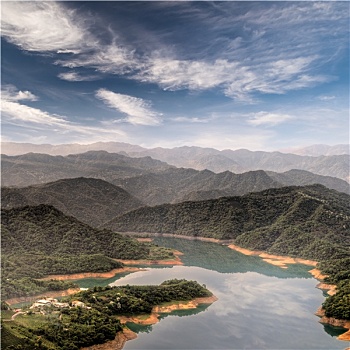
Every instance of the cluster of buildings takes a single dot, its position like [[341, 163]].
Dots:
[[47, 302]]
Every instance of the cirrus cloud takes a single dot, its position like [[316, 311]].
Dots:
[[138, 111], [267, 118], [43, 26]]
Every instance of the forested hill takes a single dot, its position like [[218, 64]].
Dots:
[[44, 229], [177, 185], [311, 221], [92, 201], [41, 240]]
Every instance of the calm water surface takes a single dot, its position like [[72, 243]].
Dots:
[[260, 306]]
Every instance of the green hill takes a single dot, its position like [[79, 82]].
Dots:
[[41, 240], [92, 201], [311, 221]]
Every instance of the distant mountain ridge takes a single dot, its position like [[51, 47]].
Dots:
[[198, 158], [310, 221], [35, 168], [151, 181], [178, 185], [92, 201]]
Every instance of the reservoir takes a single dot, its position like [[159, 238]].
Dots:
[[259, 306]]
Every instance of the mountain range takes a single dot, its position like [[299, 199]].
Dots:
[[92, 201], [35, 168], [129, 183], [329, 160], [310, 221], [178, 185]]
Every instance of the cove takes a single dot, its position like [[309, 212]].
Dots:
[[260, 306]]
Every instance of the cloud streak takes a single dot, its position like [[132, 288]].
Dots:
[[269, 119], [22, 115], [272, 68], [43, 26], [138, 111], [74, 76]]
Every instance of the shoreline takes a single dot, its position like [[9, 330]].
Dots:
[[127, 334], [277, 260], [176, 261], [81, 275], [336, 323]]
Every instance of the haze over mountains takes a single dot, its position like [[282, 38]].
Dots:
[[145, 180], [319, 150], [335, 163], [91, 201], [34, 168]]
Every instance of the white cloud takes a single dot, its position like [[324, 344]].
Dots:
[[326, 97], [112, 59], [43, 26], [10, 93], [266, 118], [172, 74], [15, 113], [74, 76], [191, 119], [138, 111], [237, 79]]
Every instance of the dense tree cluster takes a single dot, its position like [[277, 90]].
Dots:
[[41, 240], [95, 320], [338, 305], [126, 300]]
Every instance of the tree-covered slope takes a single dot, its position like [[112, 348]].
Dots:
[[310, 221], [175, 185], [92, 201], [44, 229], [41, 240]]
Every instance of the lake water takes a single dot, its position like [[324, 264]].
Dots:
[[260, 306]]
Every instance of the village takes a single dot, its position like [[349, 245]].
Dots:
[[46, 305]]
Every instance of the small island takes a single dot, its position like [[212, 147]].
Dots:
[[97, 315]]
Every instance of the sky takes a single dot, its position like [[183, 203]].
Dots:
[[257, 75]]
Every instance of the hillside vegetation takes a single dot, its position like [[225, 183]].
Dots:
[[311, 221], [92, 201], [97, 320], [41, 240]]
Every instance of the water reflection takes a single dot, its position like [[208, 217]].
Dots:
[[260, 306], [220, 258]]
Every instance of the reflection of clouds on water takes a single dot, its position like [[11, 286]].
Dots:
[[156, 276], [254, 292]]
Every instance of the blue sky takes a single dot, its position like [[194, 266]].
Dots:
[[257, 75]]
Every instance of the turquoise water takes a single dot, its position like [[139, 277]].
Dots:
[[260, 306]]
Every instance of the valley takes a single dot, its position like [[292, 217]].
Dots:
[[70, 219]]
